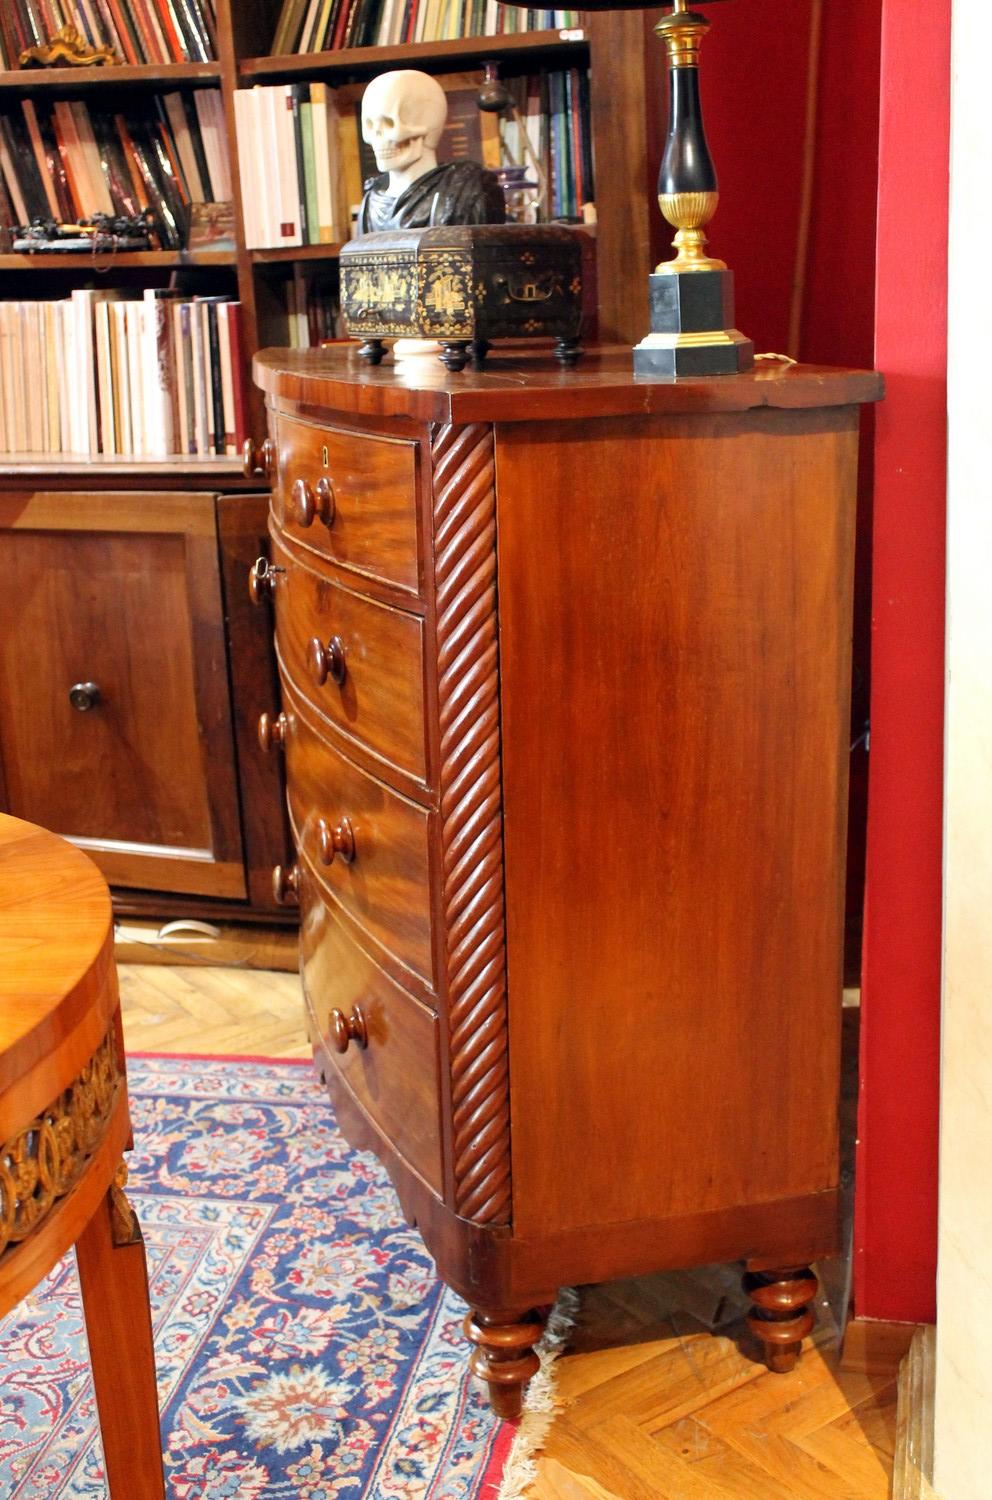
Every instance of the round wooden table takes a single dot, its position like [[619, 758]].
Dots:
[[64, 1125]]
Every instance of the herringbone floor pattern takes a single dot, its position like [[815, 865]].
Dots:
[[662, 1398], [198, 1008], [665, 1399]]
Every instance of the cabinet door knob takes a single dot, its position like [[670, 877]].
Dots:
[[83, 696], [258, 458], [337, 841], [346, 1029], [272, 731], [286, 885], [326, 661], [262, 580]]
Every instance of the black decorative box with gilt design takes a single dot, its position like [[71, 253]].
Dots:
[[464, 285]]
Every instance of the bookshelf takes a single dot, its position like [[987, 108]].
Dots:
[[195, 521]]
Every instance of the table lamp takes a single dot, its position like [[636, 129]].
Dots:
[[692, 296]]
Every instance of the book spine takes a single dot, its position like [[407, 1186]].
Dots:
[[158, 31], [196, 33], [310, 174], [238, 375], [215, 378], [127, 37], [10, 175], [172, 105], [134, 339], [91, 158], [294, 98], [198, 148], [34, 133], [101, 329], [180, 343], [198, 414], [156, 368], [146, 35], [226, 375], [25, 169]]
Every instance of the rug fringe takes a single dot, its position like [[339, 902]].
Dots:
[[541, 1400]]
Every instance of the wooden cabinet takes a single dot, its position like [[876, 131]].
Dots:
[[576, 976], [122, 690]]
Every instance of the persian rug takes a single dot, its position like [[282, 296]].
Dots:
[[305, 1347]]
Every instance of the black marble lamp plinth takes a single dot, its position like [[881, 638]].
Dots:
[[690, 334]]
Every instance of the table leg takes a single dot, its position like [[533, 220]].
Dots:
[[110, 1254]]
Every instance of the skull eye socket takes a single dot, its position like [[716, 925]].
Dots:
[[388, 121]]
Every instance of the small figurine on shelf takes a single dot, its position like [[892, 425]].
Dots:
[[403, 115], [68, 48]]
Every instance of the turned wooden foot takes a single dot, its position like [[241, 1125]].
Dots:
[[781, 1316], [454, 354], [478, 350], [504, 1355]]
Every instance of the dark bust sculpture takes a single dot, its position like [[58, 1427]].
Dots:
[[403, 115], [453, 192]]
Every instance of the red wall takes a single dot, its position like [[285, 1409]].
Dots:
[[896, 1207], [878, 149]]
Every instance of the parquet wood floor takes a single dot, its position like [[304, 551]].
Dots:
[[665, 1398], [202, 1008], [662, 1397]]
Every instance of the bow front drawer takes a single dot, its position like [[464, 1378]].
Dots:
[[367, 845], [350, 496], [379, 1040], [360, 663]]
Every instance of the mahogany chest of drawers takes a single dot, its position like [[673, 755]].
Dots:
[[565, 668]]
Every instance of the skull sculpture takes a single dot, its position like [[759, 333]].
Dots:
[[403, 115]]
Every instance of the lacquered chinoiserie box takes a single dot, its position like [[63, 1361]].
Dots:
[[464, 285], [565, 668]]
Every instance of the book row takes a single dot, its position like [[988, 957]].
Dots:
[[325, 25], [305, 141], [547, 130], [141, 378], [288, 151], [139, 31], [66, 160], [312, 311]]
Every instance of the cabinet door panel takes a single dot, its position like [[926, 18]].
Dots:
[[120, 592]]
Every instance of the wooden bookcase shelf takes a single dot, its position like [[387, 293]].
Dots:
[[84, 265], [278, 254], [19, 466], [131, 517], [148, 75], [556, 48]]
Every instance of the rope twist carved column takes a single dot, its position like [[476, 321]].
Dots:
[[471, 818]]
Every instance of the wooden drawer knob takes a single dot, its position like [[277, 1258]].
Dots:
[[286, 885], [326, 661], [310, 501], [272, 731], [347, 1029], [262, 580], [258, 458], [83, 696], [338, 841]]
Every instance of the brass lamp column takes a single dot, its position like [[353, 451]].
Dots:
[[692, 296]]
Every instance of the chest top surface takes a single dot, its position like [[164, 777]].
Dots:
[[530, 386]]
